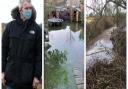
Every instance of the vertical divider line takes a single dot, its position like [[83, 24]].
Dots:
[[126, 47], [0, 54], [85, 44], [43, 44]]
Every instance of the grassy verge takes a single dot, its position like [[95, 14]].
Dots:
[[96, 26]]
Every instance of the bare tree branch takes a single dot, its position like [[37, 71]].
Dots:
[[92, 9], [121, 3]]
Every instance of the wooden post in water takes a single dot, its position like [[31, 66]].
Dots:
[[71, 14], [57, 14], [77, 16], [71, 11]]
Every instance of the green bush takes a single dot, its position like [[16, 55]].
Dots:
[[53, 70]]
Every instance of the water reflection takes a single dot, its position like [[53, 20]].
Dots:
[[67, 39]]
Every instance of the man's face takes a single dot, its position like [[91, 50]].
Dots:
[[26, 10], [26, 6]]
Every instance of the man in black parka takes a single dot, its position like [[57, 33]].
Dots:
[[22, 49]]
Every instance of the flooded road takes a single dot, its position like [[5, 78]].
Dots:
[[69, 39], [101, 50]]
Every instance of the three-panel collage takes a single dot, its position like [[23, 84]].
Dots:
[[63, 44]]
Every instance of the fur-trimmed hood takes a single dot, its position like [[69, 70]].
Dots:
[[16, 15]]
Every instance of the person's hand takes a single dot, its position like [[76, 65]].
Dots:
[[35, 82], [3, 79]]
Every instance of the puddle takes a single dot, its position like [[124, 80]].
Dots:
[[101, 50]]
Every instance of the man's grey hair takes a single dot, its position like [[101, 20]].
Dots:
[[21, 3]]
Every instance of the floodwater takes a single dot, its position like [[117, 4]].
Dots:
[[70, 39], [101, 50]]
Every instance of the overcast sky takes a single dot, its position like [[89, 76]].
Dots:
[[7, 5], [89, 3]]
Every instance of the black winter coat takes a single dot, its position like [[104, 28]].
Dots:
[[22, 51]]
